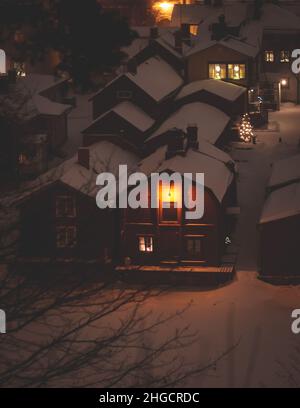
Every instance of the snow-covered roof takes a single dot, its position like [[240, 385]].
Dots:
[[210, 121], [281, 203], [104, 157], [247, 43], [208, 160], [278, 18], [235, 13], [190, 14], [154, 76], [34, 85], [137, 45], [285, 171], [131, 113], [157, 78], [168, 41], [223, 89]]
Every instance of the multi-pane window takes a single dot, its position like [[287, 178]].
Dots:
[[194, 247], [227, 71], [146, 244], [217, 71], [269, 56], [284, 56], [66, 236], [236, 71], [65, 206]]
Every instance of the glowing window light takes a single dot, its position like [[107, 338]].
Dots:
[[163, 10], [146, 244]]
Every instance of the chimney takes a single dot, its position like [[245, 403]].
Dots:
[[219, 29], [186, 34], [175, 143], [132, 66], [84, 157], [192, 136], [153, 32], [178, 41]]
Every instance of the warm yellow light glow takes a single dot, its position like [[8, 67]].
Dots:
[[284, 82], [163, 9], [169, 194]]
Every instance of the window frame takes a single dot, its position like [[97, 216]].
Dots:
[[65, 214], [267, 54], [233, 65], [285, 56], [66, 229], [145, 237], [217, 63], [199, 256]]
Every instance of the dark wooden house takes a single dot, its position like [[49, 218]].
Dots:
[[59, 218], [126, 124], [149, 85], [279, 225], [227, 97]]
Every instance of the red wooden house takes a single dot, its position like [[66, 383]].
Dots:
[[163, 236]]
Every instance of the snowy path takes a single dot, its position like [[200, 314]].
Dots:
[[254, 171]]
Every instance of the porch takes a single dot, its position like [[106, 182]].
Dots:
[[176, 274]]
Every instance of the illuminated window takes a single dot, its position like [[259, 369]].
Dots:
[[65, 206], [269, 56], [66, 237], [284, 56], [19, 68], [146, 244], [217, 71], [194, 246], [193, 29], [2, 62], [236, 71]]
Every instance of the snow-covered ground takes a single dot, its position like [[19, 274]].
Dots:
[[254, 314], [249, 314]]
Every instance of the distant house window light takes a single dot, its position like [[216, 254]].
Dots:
[[2, 62], [269, 56], [19, 68], [217, 71], [236, 71], [193, 29], [284, 56], [146, 244]]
